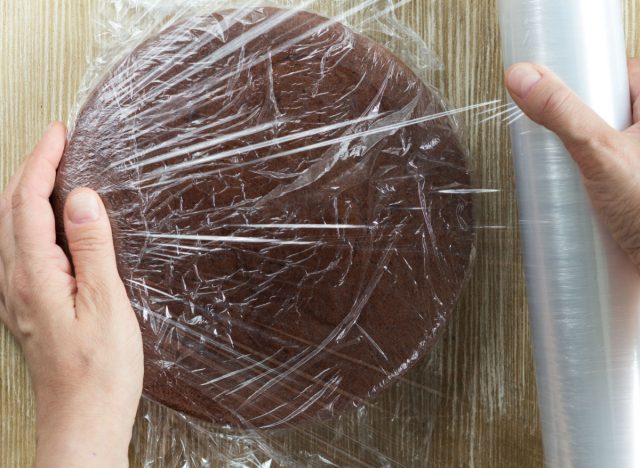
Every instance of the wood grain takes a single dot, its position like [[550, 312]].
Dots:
[[487, 413]]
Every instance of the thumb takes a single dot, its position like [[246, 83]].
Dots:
[[546, 100], [90, 242]]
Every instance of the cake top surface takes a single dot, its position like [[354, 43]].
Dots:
[[291, 224]]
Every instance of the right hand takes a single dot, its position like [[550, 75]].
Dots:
[[608, 159]]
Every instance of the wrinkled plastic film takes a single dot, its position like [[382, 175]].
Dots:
[[207, 258], [584, 294]]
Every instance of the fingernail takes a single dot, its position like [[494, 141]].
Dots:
[[522, 78], [83, 208]]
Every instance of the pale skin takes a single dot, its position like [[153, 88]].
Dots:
[[77, 329], [608, 159]]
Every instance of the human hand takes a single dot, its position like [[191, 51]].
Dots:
[[78, 332], [608, 159]]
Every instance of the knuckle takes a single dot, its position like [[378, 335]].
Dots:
[[35, 285], [589, 144], [597, 154], [77, 364], [89, 240], [556, 104], [94, 294], [22, 285], [5, 206], [84, 362], [19, 198]]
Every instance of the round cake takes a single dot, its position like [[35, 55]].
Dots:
[[292, 218]]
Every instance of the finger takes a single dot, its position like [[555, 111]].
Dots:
[[13, 182], [545, 99], [7, 249], [6, 229], [33, 221], [90, 242], [634, 82]]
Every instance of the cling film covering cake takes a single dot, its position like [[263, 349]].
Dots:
[[291, 208]]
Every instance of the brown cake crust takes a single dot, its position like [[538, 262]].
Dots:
[[282, 271]]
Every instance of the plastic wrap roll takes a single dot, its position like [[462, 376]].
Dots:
[[584, 295]]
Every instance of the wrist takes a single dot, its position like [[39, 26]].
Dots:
[[83, 433]]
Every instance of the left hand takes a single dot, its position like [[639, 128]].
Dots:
[[79, 334]]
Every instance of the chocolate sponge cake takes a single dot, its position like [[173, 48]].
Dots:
[[292, 228]]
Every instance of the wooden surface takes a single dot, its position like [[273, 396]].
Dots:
[[487, 414]]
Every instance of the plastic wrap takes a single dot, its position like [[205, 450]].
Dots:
[[292, 212], [584, 294]]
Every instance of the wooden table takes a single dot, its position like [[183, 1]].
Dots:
[[487, 415]]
